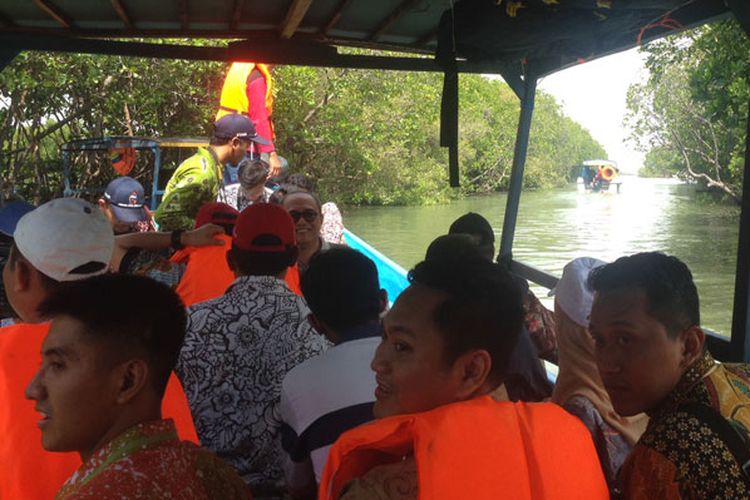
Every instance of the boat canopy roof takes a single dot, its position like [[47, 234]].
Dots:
[[487, 36]]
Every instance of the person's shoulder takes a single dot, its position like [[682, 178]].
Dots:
[[219, 480], [331, 363], [308, 373], [181, 469], [583, 408], [692, 445], [666, 430], [740, 375], [396, 481], [198, 314], [192, 161]]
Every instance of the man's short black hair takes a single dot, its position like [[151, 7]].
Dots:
[[248, 263], [671, 296], [455, 246], [14, 255], [135, 315], [300, 180], [473, 223], [291, 189], [250, 173], [341, 288], [219, 141], [483, 310], [479, 228], [278, 196]]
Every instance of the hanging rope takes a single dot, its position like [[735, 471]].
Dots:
[[665, 21]]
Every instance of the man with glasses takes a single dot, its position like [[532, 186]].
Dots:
[[199, 179], [305, 209]]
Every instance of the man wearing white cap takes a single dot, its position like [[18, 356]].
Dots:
[[66, 239], [579, 388], [63, 240]]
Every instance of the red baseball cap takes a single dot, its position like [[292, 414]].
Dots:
[[264, 227], [216, 213]]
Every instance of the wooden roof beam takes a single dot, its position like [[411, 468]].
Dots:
[[236, 14], [294, 17], [394, 16], [182, 12], [54, 12], [122, 14], [336, 16]]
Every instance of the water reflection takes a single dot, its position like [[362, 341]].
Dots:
[[556, 226]]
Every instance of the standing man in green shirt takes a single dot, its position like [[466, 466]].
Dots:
[[199, 179]]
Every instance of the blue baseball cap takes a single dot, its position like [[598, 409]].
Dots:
[[11, 213], [237, 125], [126, 199]]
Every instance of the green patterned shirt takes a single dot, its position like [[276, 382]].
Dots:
[[196, 181]]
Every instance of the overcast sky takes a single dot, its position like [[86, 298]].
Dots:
[[593, 94]]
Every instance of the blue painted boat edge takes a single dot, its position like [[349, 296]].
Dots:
[[392, 276]]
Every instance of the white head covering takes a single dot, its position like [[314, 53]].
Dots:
[[572, 292]]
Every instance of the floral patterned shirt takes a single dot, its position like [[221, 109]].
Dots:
[[611, 446], [540, 322], [149, 461], [680, 456], [237, 350]]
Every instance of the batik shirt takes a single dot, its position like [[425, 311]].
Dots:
[[680, 456], [149, 461], [195, 182], [233, 196], [237, 350]]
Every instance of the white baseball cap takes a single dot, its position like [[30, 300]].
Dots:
[[572, 292], [66, 239]]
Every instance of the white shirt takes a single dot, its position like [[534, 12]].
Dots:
[[323, 397]]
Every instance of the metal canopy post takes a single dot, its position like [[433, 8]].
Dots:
[[519, 161], [740, 342], [155, 194]]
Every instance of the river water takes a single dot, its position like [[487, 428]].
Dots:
[[556, 226]]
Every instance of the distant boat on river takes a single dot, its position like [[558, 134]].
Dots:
[[598, 176]]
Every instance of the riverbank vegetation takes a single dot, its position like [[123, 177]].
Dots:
[[691, 115], [368, 137]]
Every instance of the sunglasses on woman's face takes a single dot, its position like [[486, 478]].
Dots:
[[308, 215]]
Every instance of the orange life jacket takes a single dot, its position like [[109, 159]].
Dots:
[[234, 92], [207, 274], [28, 471], [292, 279], [478, 449]]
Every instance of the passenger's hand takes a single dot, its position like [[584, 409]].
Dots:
[[275, 164], [204, 236]]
